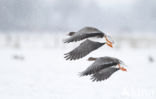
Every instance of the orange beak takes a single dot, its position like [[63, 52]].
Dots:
[[109, 44], [108, 40], [121, 68]]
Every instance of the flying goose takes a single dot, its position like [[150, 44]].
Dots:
[[102, 68], [86, 32], [86, 46]]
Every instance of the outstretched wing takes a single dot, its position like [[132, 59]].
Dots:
[[104, 74], [79, 37], [83, 49], [85, 33], [100, 63]]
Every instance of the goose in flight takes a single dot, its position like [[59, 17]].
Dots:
[[102, 68], [86, 46], [87, 32]]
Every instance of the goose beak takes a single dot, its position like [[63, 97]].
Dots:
[[109, 44], [122, 68], [108, 40]]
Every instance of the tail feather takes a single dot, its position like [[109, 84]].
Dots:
[[71, 33], [91, 59]]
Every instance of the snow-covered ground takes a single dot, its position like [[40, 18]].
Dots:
[[43, 73]]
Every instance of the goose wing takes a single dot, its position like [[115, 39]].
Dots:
[[99, 64], [104, 74], [87, 30], [85, 33], [83, 49]]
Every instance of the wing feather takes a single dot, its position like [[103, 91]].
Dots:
[[84, 33], [83, 49], [104, 74], [99, 64]]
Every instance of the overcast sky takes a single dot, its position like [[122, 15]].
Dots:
[[125, 16]]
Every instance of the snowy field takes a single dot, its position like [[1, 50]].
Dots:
[[43, 73]]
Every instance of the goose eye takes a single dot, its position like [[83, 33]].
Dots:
[[122, 64]]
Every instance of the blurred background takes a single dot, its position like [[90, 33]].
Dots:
[[32, 49]]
